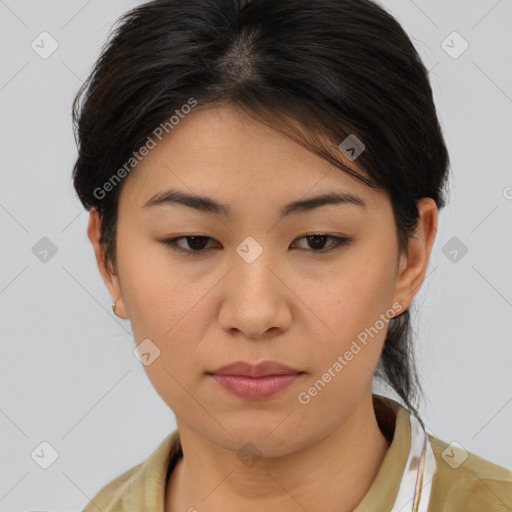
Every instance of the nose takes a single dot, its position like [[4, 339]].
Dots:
[[256, 300]]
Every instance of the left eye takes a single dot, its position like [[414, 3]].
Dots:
[[319, 239], [196, 243]]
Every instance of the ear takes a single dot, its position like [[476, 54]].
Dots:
[[413, 266], [109, 275]]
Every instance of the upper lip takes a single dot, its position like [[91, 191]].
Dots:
[[260, 369]]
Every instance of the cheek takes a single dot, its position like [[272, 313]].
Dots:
[[353, 290], [169, 309], [349, 308], [355, 316], [174, 321], [155, 289]]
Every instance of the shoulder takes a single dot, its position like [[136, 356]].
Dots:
[[142, 486], [110, 497], [465, 481]]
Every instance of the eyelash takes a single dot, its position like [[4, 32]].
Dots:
[[171, 243]]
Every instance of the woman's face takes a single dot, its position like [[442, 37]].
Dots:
[[256, 289]]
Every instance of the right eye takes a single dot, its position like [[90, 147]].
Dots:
[[196, 244]]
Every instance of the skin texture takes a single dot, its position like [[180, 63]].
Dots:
[[292, 304]]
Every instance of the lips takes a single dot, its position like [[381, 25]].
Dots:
[[255, 381], [262, 369]]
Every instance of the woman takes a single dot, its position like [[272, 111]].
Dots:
[[264, 180]]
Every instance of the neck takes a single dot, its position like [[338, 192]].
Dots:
[[333, 474]]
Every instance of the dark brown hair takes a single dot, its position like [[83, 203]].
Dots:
[[316, 70]]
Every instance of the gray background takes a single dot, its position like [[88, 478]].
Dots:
[[68, 374]]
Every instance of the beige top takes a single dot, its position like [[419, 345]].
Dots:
[[451, 480]]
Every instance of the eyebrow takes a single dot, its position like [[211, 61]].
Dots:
[[209, 205]]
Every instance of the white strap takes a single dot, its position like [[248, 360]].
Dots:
[[415, 486]]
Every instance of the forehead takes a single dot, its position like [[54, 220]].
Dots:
[[224, 153]]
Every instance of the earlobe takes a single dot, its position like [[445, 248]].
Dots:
[[413, 266], [110, 278]]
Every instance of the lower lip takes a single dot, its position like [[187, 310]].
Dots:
[[256, 388]]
